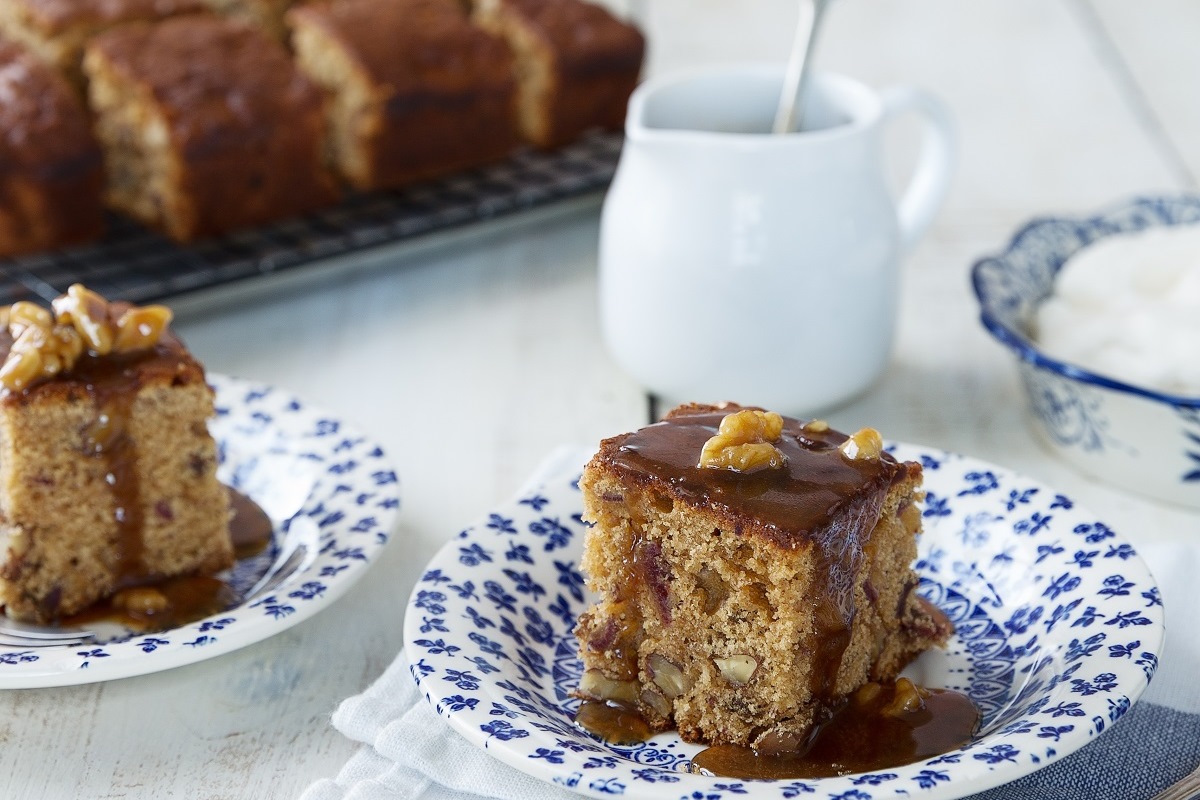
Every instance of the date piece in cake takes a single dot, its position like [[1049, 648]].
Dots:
[[576, 63], [752, 571], [51, 178], [206, 126], [107, 470], [57, 30], [416, 90]]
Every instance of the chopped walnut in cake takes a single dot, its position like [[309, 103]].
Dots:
[[744, 442], [49, 343]]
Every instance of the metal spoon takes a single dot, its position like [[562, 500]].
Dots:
[[789, 115]]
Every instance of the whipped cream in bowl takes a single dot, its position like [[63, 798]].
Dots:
[[1103, 315], [1128, 307]]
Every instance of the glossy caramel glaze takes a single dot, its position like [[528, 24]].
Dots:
[[614, 723], [249, 526], [814, 498], [184, 600]]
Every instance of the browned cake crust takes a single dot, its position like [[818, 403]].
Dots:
[[740, 607], [577, 64], [267, 15], [57, 30], [107, 480], [416, 90], [206, 125], [51, 177]]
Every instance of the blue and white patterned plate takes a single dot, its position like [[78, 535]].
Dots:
[[328, 490], [1059, 626]]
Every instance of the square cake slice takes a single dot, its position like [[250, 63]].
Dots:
[[751, 570], [51, 178], [576, 64], [206, 126], [416, 90], [107, 469], [57, 30]]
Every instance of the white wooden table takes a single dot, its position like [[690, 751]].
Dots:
[[472, 362]]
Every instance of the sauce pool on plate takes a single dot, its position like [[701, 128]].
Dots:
[[880, 726], [172, 602]]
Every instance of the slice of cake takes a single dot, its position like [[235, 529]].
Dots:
[[576, 64], [107, 470], [51, 177], [415, 89], [752, 571], [57, 30], [206, 126]]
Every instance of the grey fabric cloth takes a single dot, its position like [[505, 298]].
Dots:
[[1151, 748]]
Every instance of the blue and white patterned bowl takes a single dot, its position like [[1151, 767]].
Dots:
[[1058, 629], [1137, 438]]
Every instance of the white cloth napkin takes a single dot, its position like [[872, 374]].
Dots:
[[409, 753]]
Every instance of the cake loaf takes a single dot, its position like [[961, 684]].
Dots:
[[415, 89], [107, 470], [51, 177], [576, 64], [206, 126], [751, 572]]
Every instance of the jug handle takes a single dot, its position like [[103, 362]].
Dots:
[[931, 178]]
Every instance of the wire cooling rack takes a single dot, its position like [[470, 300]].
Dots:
[[135, 264]]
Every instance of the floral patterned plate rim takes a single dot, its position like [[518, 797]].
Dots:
[[1059, 626], [329, 491]]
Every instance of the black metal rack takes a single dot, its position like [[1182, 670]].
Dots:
[[139, 265]]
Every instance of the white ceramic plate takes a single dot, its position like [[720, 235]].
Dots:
[[327, 489], [1058, 629]]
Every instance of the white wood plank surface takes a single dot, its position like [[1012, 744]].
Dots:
[[471, 363]]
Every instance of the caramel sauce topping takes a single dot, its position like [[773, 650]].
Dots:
[[801, 499], [249, 527]]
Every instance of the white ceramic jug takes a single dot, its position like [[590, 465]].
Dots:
[[740, 265]]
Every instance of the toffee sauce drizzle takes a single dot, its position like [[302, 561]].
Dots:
[[189, 597]]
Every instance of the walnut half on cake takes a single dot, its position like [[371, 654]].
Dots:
[[107, 469], [752, 571]]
